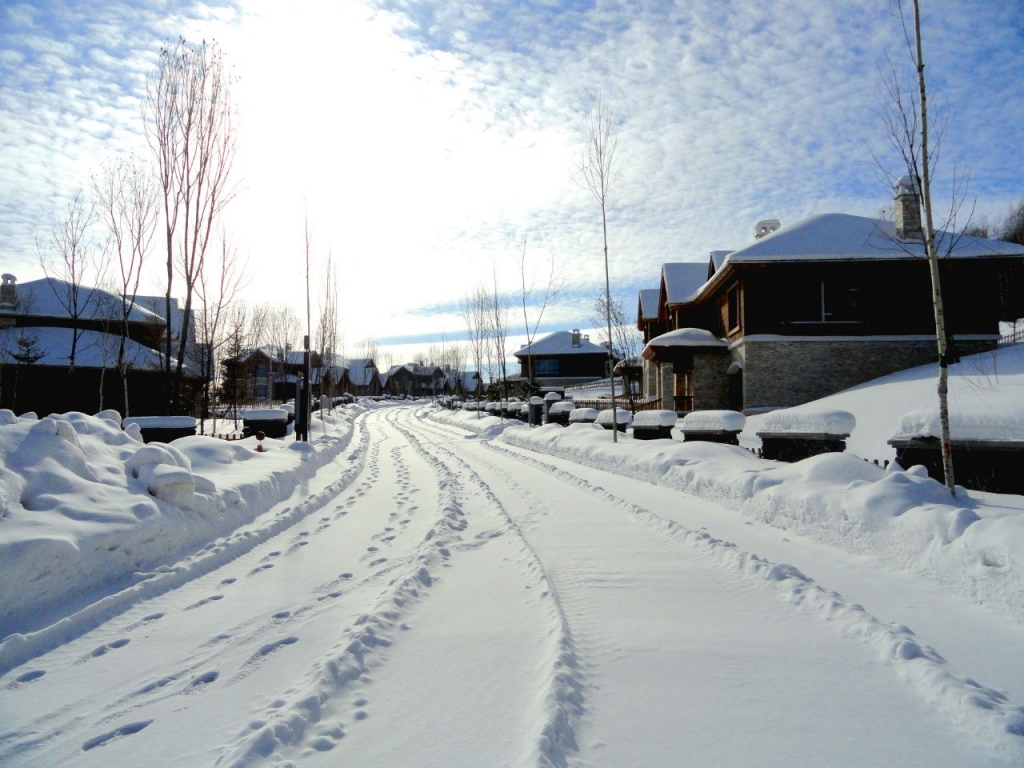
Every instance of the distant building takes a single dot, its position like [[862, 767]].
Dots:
[[561, 359]]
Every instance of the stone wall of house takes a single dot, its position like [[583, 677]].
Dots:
[[781, 373], [710, 381], [650, 379], [666, 386]]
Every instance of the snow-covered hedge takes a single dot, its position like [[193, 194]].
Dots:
[[580, 415], [563, 406], [622, 417], [266, 414]]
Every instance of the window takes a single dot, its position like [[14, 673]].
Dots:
[[733, 298], [829, 300], [546, 367]]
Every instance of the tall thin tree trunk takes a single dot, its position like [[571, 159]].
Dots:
[[933, 266]]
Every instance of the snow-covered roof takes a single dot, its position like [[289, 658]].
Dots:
[[360, 371], [686, 337], [560, 343], [842, 237], [683, 281], [649, 303], [47, 298], [717, 259], [93, 350]]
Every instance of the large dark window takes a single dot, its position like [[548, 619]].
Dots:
[[829, 300], [545, 367]]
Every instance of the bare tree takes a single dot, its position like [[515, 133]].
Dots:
[[553, 287], [907, 121], [127, 203], [329, 337], [68, 258], [499, 320], [474, 314], [188, 121], [233, 381], [283, 329], [216, 289], [625, 338], [597, 171]]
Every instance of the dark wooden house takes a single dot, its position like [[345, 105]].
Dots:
[[819, 306]]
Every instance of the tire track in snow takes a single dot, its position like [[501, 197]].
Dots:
[[305, 716], [982, 712]]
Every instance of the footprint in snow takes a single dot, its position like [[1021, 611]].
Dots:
[[104, 649], [204, 601], [256, 570], [24, 679], [229, 580], [103, 739], [200, 682], [143, 621]]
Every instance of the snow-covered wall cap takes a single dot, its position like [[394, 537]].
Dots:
[[582, 414], [713, 421], [655, 419], [552, 396], [563, 406], [800, 422], [1001, 426], [162, 422], [265, 414], [686, 337], [622, 417]]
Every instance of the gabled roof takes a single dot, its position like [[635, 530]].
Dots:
[[682, 281], [360, 371], [649, 303], [716, 261], [842, 237], [560, 343]]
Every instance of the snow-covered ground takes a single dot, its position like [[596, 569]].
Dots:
[[425, 588]]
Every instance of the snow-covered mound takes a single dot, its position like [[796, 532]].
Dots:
[[903, 517], [74, 485]]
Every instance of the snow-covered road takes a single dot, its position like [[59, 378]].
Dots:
[[453, 601]]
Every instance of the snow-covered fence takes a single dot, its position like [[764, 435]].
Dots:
[[793, 435]]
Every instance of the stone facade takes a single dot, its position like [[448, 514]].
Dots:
[[710, 381], [781, 373], [666, 385]]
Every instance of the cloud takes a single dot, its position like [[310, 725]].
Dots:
[[421, 140]]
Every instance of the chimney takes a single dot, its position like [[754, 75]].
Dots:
[[576, 337], [765, 227], [9, 294], [908, 210]]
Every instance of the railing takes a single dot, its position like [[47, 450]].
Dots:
[[605, 403], [1009, 338]]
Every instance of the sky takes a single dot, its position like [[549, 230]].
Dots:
[[426, 142]]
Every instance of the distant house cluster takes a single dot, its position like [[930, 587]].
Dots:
[[815, 307]]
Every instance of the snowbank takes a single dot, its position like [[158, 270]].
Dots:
[[973, 544], [74, 485]]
